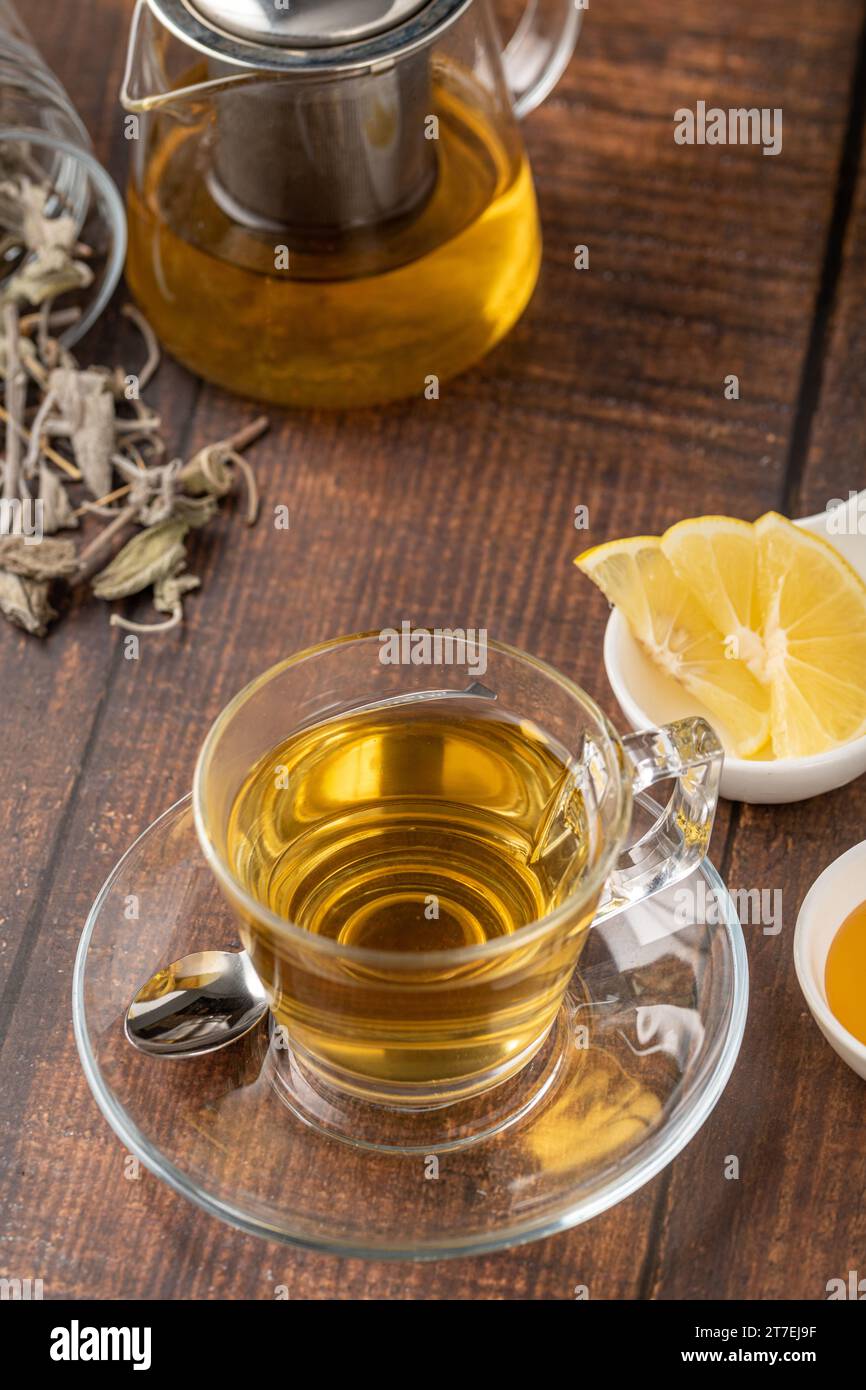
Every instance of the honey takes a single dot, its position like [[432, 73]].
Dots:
[[845, 973]]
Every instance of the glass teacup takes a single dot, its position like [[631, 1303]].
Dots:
[[416, 832]]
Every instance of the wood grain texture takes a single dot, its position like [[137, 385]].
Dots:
[[703, 262]]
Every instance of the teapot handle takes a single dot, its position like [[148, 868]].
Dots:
[[540, 49]]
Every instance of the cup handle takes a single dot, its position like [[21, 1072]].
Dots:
[[688, 750], [540, 50]]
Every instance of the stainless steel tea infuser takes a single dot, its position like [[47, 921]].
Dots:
[[319, 103], [328, 155]]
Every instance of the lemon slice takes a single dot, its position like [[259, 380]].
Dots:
[[716, 557], [675, 631], [814, 629]]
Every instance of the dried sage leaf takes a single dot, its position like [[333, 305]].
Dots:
[[152, 555], [45, 276], [42, 232], [25, 602], [45, 559], [87, 407], [168, 593], [108, 433], [50, 268], [195, 511], [24, 212], [57, 511], [27, 353]]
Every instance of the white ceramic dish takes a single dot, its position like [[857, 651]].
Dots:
[[647, 697], [833, 895]]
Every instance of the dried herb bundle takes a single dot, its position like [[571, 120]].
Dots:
[[80, 442]]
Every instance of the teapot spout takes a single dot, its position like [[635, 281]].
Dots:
[[146, 84]]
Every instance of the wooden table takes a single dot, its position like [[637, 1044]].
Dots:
[[704, 261]]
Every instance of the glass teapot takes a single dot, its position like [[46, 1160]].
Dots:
[[329, 200]]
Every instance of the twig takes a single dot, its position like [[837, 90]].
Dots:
[[242, 438], [59, 318], [86, 565], [31, 458], [250, 479], [12, 471], [103, 501], [137, 458], [150, 342], [52, 454], [129, 626], [45, 343], [144, 425]]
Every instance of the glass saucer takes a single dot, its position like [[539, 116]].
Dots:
[[641, 1051]]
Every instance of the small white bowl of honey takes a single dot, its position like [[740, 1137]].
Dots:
[[830, 955]]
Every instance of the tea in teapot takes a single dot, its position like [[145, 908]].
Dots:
[[330, 203]]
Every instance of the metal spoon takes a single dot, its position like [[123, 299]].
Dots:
[[200, 1003]]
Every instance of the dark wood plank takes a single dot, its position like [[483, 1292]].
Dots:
[[610, 393], [793, 1113]]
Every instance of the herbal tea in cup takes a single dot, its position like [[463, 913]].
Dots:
[[415, 859]]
